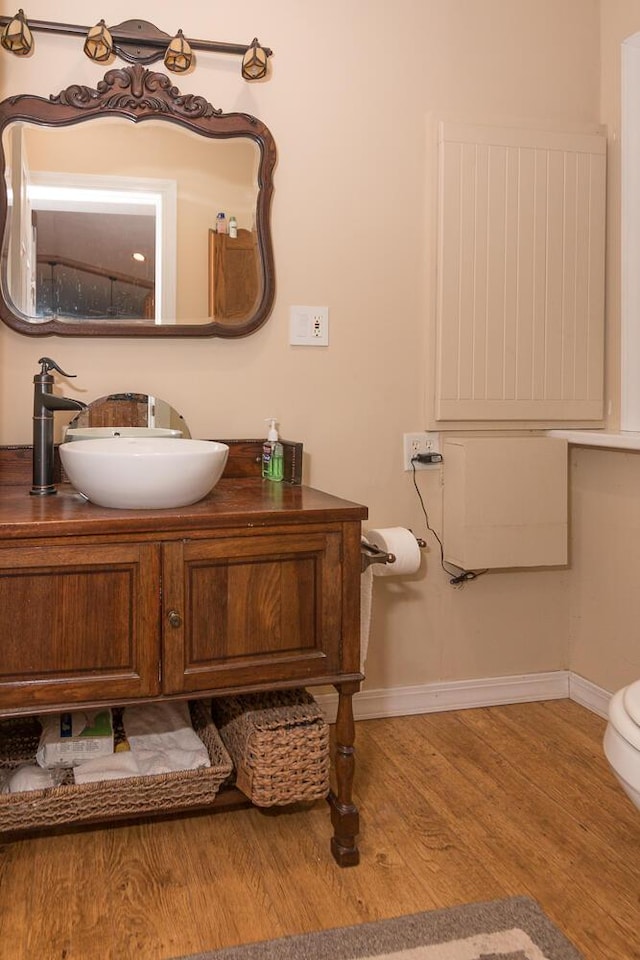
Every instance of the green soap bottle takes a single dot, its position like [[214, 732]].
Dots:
[[272, 454]]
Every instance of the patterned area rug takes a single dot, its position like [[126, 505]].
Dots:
[[512, 929]]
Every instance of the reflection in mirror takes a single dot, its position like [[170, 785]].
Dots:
[[83, 202], [109, 226], [95, 248], [138, 410], [89, 199]]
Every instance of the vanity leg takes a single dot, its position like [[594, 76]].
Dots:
[[344, 813]]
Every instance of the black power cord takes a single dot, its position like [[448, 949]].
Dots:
[[457, 576]]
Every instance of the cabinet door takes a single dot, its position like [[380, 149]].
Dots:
[[265, 608], [79, 623], [234, 275]]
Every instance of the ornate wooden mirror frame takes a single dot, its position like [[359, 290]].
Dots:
[[137, 94]]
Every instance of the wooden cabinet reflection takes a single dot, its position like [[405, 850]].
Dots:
[[234, 275]]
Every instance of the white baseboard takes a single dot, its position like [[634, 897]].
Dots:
[[463, 694], [588, 695]]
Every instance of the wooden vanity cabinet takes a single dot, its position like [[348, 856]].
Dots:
[[255, 588], [111, 622]]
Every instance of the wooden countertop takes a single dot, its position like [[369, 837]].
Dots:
[[232, 503]]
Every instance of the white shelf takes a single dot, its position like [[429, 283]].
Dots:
[[621, 440]]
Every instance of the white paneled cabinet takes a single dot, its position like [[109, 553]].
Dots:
[[505, 502], [520, 312]]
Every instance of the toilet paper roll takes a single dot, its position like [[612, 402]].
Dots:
[[402, 544], [366, 603]]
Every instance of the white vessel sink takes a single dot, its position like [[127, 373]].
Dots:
[[144, 472], [98, 433]]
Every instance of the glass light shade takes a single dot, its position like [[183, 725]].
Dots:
[[254, 62], [179, 55], [99, 44], [17, 37]]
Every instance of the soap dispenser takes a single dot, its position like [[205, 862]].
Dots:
[[272, 454]]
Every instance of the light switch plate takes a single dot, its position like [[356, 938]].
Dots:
[[309, 326]]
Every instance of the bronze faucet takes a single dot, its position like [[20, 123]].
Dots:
[[44, 404]]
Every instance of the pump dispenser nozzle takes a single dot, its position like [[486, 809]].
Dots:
[[273, 433]]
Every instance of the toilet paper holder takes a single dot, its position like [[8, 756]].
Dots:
[[370, 553]]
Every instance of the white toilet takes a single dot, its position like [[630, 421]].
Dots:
[[622, 739]]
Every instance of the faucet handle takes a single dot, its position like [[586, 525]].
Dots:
[[47, 364]]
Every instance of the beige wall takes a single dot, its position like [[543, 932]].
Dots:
[[605, 485], [355, 87]]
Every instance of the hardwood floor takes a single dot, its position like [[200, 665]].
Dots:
[[455, 807]]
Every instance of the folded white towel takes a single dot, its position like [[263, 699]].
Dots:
[[162, 739], [116, 767], [30, 776]]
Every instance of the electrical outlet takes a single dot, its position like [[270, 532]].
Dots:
[[415, 443], [309, 326]]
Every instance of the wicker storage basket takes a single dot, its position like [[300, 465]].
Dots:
[[107, 799], [279, 744]]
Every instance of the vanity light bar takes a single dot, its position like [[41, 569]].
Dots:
[[136, 41]]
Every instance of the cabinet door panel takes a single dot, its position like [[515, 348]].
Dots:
[[83, 623], [219, 614], [262, 609]]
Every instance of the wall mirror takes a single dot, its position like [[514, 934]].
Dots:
[[119, 410], [108, 210]]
